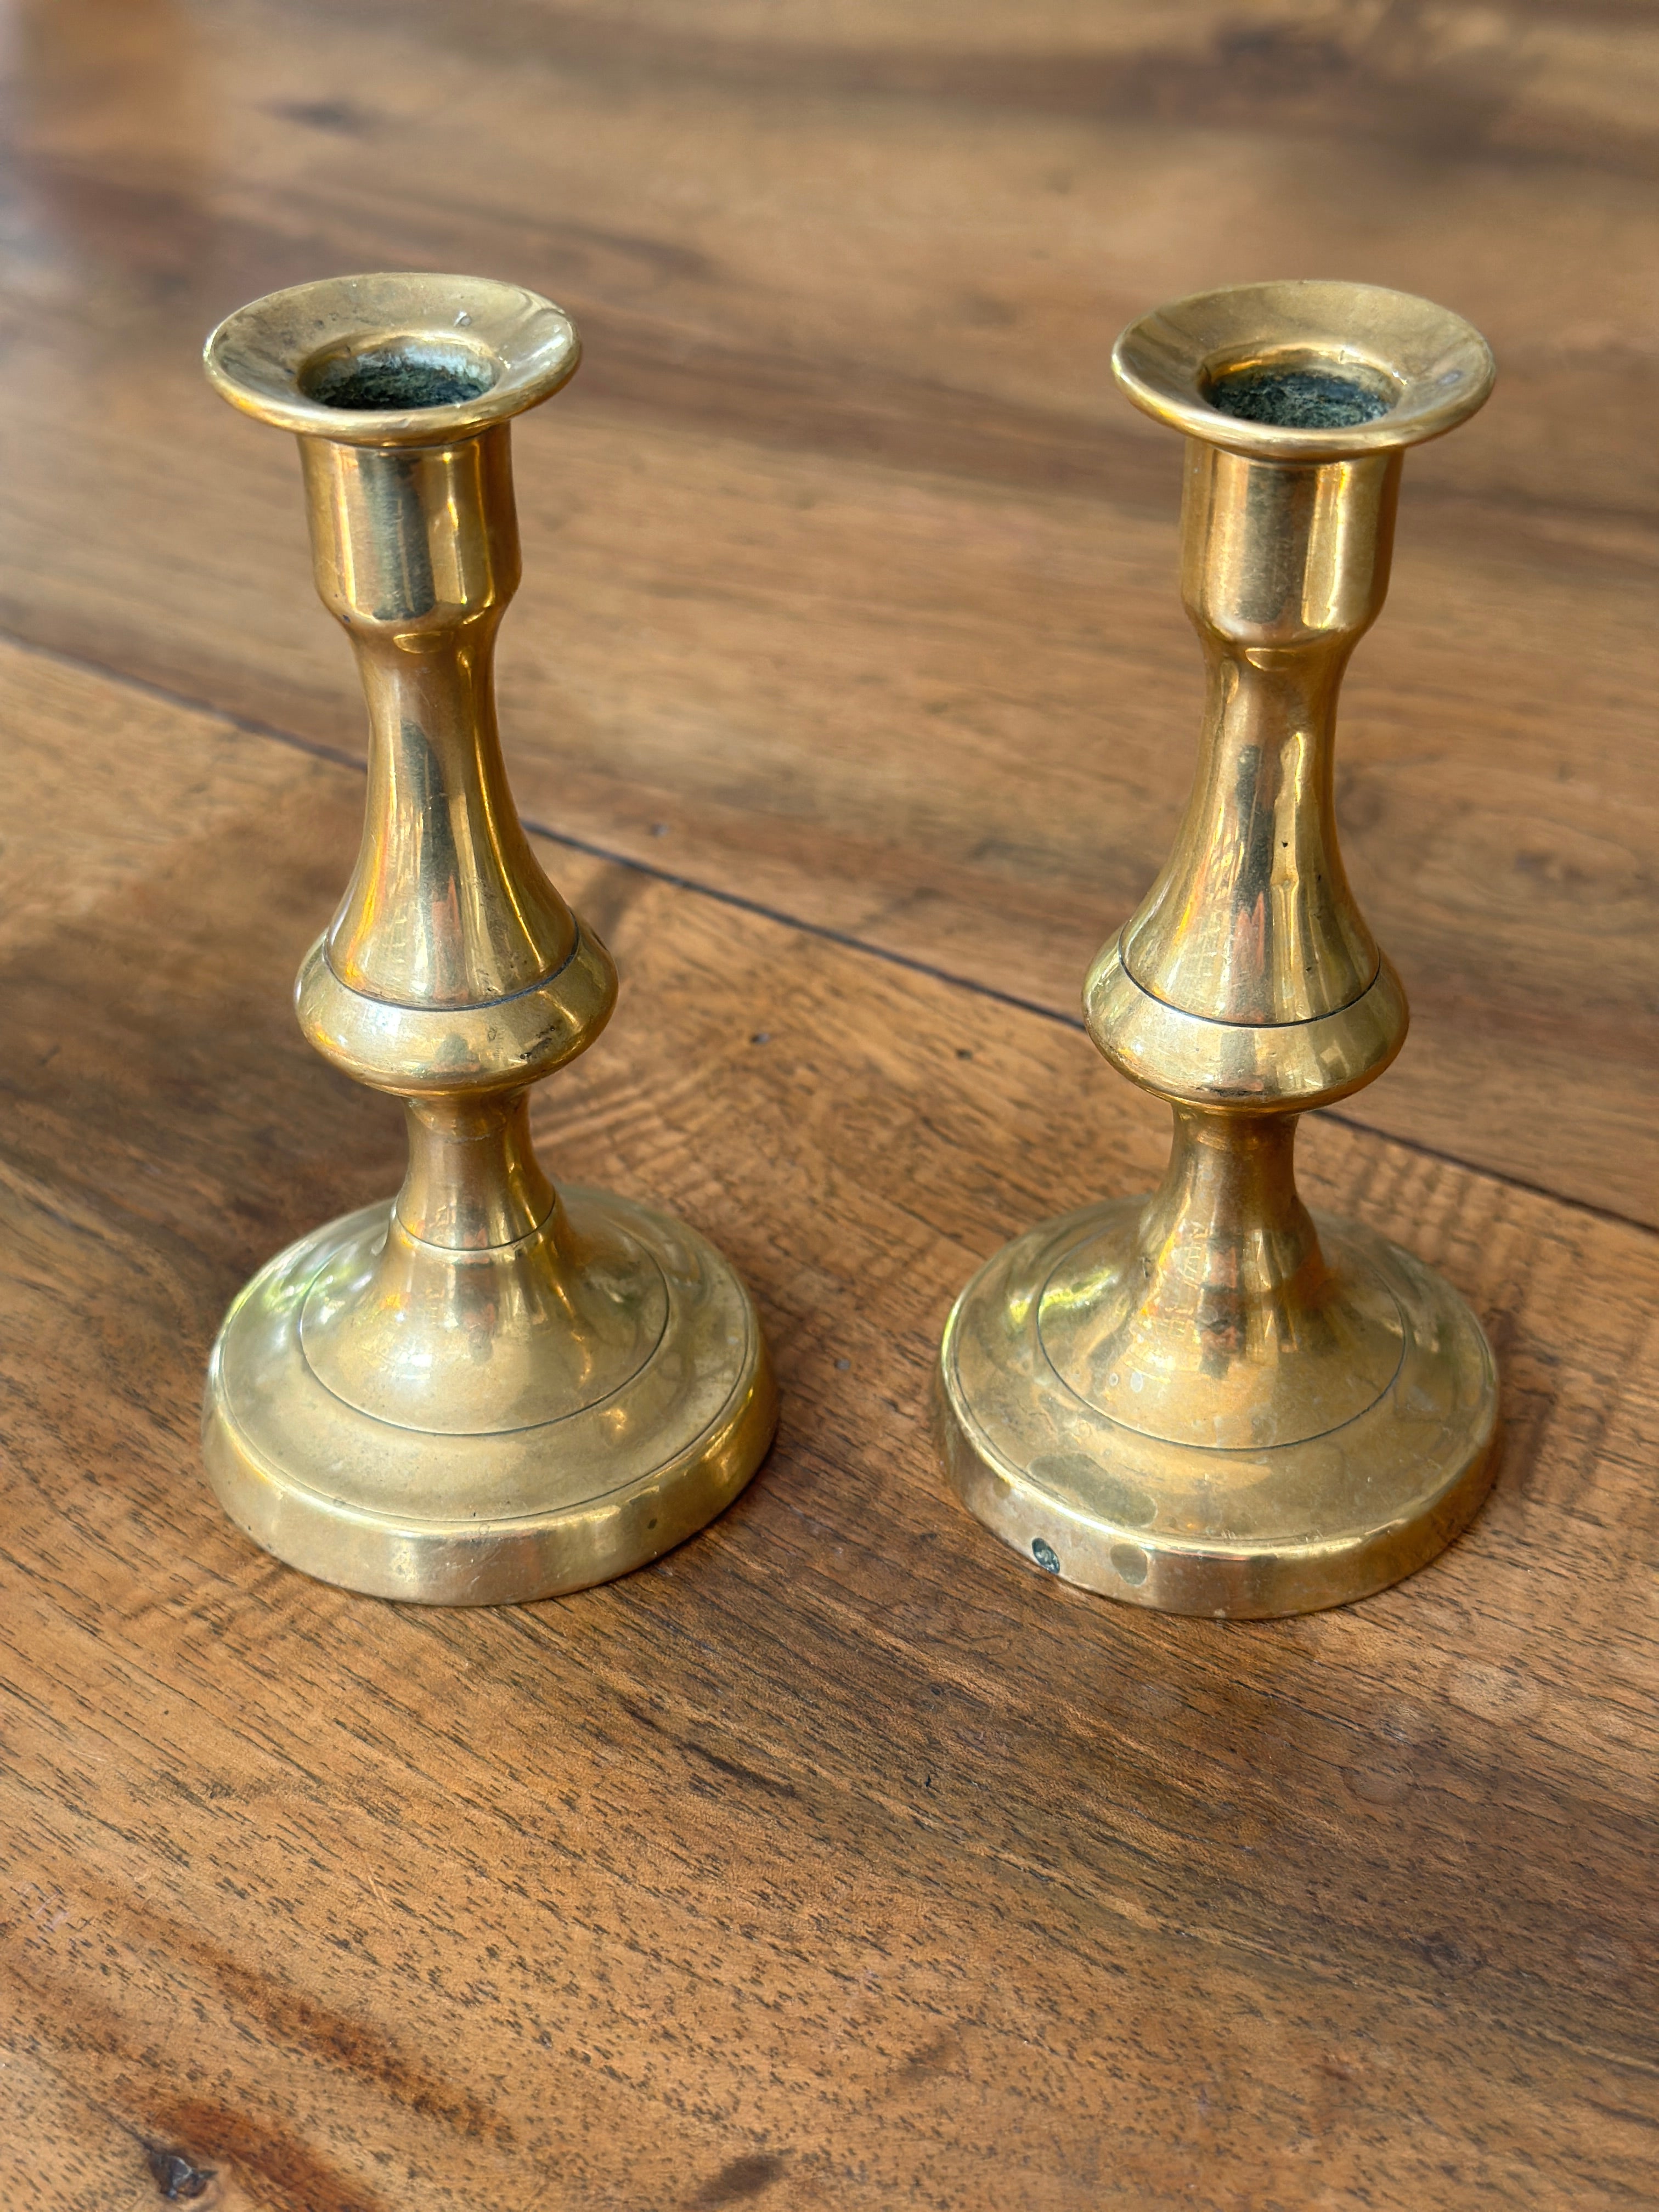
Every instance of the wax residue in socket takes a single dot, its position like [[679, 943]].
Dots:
[[399, 379], [1297, 399]]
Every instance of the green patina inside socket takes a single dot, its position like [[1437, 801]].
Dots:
[[1297, 399], [399, 379]]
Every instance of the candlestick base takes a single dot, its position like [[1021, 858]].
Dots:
[[489, 1427], [1356, 1443]]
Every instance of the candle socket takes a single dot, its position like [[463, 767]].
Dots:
[[485, 1390], [1214, 1401]]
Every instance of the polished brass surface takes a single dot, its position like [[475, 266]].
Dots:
[[487, 1390], [1214, 1401]]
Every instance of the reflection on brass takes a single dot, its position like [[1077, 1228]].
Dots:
[[485, 1391], [1212, 1401]]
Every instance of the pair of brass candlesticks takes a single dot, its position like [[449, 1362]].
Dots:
[[1205, 1402]]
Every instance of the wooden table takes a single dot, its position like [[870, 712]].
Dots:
[[837, 1860]]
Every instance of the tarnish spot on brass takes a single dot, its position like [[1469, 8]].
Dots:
[[1072, 1473], [1045, 1555], [1130, 1562]]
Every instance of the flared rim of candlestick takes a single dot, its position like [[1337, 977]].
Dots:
[[435, 357], [1415, 370]]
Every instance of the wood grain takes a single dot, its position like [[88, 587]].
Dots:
[[838, 1860], [850, 585]]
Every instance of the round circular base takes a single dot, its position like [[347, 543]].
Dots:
[[1236, 1534], [516, 1513]]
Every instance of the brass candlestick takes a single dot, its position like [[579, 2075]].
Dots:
[[1212, 1401], [485, 1391]]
